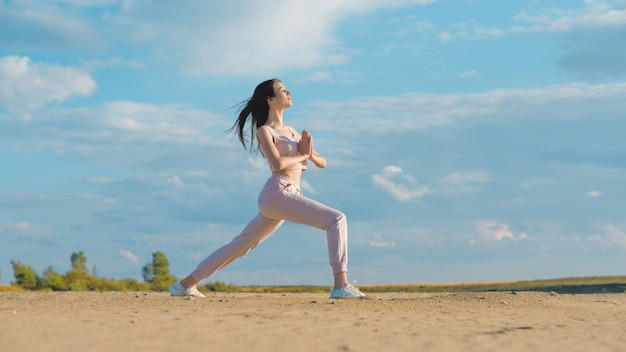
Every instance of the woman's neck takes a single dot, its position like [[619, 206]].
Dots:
[[275, 117]]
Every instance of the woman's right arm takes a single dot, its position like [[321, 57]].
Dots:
[[268, 148]]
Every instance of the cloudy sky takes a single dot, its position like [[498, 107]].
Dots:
[[467, 140]]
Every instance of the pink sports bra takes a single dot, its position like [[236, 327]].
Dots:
[[287, 147]]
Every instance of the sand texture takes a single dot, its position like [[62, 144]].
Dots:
[[493, 321]]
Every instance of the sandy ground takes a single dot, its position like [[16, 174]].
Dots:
[[110, 321]]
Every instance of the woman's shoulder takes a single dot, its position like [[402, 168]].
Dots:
[[265, 129]]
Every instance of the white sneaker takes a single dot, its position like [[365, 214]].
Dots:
[[347, 291], [176, 289], [194, 292]]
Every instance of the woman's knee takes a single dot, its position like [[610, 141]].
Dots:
[[338, 219]]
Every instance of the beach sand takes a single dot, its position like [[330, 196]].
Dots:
[[491, 321]]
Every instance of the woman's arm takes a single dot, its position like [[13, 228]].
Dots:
[[268, 148], [318, 160]]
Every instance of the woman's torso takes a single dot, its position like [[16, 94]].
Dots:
[[286, 140]]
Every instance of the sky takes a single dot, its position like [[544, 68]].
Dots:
[[466, 140]]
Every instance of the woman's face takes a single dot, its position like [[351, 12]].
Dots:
[[282, 97]]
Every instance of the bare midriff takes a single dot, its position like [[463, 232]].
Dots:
[[292, 174]]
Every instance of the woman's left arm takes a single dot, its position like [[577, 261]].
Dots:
[[318, 160]]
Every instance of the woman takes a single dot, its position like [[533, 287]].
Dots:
[[281, 199]]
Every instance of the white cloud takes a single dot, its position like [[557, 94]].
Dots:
[[596, 15], [86, 3], [381, 244], [536, 183], [49, 203], [458, 182], [317, 76], [468, 74], [594, 194], [23, 229], [408, 191], [176, 181], [20, 226], [593, 36], [404, 187], [392, 170], [307, 187], [415, 111], [202, 38], [129, 255], [445, 36], [257, 164], [612, 236], [56, 26], [120, 129], [244, 37], [27, 85], [96, 64], [136, 134], [496, 231]]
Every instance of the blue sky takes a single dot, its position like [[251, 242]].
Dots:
[[466, 140]]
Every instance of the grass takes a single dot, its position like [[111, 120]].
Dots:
[[592, 284], [11, 288]]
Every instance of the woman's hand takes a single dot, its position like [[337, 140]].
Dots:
[[305, 147]]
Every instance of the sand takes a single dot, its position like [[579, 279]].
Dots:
[[129, 321]]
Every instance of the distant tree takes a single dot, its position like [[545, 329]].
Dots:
[[78, 278], [25, 276], [157, 273], [53, 280], [78, 260]]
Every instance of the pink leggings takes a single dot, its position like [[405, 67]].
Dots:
[[281, 200]]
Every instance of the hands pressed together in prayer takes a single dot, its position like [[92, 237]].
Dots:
[[305, 147]]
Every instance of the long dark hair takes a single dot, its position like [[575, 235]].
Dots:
[[256, 106]]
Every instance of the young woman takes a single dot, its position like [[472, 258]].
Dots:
[[281, 199]]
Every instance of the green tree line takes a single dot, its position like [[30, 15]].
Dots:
[[156, 275]]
